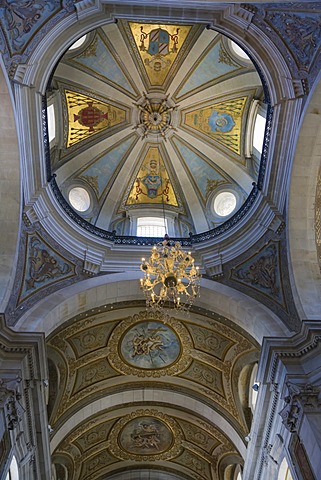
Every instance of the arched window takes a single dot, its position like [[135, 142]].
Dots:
[[254, 388], [151, 227], [284, 471], [13, 473]]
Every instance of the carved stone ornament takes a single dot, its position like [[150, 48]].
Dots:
[[146, 346], [301, 399], [9, 401], [146, 435]]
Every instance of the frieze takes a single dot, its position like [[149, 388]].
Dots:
[[317, 218], [10, 402]]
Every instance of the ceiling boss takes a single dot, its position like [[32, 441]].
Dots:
[[154, 116]]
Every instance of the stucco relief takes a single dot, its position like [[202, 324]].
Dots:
[[143, 345], [146, 434]]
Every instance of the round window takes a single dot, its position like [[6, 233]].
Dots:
[[224, 203], [79, 199]]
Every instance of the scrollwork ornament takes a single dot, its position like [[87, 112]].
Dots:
[[178, 365], [173, 451]]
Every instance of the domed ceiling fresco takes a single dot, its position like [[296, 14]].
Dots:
[[153, 118]]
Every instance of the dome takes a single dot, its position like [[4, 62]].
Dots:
[[157, 121]]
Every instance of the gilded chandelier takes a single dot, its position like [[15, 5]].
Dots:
[[170, 276]]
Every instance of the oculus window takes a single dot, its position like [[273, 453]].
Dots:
[[224, 204], [79, 199]]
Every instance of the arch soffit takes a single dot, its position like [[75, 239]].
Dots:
[[301, 209], [61, 306], [175, 399], [9, 189]]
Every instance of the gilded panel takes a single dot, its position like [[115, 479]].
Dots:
[[90, 339], [210, 342], [195, 463], [198, 436], [88, 116], [96, 463], [221, 122], [205, 375], [92, 373], [152, 184], [94, 436], [158, 47]]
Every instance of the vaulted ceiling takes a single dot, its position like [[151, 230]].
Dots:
[[150, 118], [167, 396], [154, 112]]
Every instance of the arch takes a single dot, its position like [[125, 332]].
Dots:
[[9, 189], [116, 288], [301, 207], [149, 396]]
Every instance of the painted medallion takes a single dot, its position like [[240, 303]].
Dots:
[[145, 436], [150, 345]]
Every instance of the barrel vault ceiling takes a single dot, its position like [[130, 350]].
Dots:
[[150, 115], [139, 394]]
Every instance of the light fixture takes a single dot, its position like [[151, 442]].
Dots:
[[170, 276]]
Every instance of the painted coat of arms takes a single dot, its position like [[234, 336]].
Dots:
[[158, 46]]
